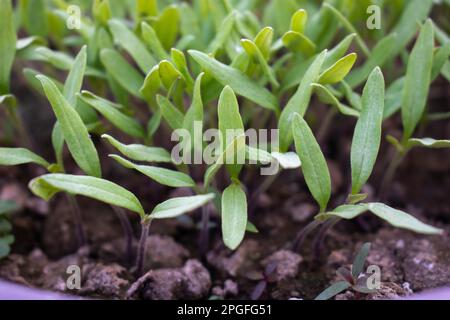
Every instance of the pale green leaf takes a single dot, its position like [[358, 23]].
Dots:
[[360, 259], [151, 39], [177, 206], [428, 143], [326, 96], [333, 290], [74, 131], [314, 165], [163, 176], [298, 21], [339, 70], [234, 215], [238, 81], [298, 42], [16, 156], [170, 113], [7, 44], [139, 152], [367, 134]]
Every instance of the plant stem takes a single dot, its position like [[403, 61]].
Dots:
[[127, 230], [142, 248], [303, 233], [320, 237], [390, 172], [204, 232], [323, 130], [78, 221]]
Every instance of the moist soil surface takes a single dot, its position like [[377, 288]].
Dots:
[[264, 266]]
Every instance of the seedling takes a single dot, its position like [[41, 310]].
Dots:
[[6, 238], [353, 278]]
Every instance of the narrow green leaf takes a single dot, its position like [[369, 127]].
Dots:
[[417, 81], [338, 51], [123, 122], [326, 96], [195, 112], [74, 80], [367, 135], [428, 143], [151, 86], [74, 131], [383, 51], [179, 60], [168, 74], [339, 70], [163, 176], [298, 42], [235, 147], [393, 99], [299, 101], [170, 113], [401, 219], [131, 43], [146, 8], [298, 21], [223, 34], [167, 26], [151, 39], [16, 156], [128, 78], [7, 44], [229, 121], [253, 52], [333, 290], [177, 206], [48, 185], [140, 152], [440, 58], [360, 259], [238, 81], [346, 211], [234, 215], [314, 165], [263, 41]]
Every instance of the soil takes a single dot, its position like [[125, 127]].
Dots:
[[263, 266]]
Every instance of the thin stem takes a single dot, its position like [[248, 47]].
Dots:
[[320, 237], [127, 230], [142, 248], [204, 233], [78, 221], [389, 173], [323, 130], [303, 233]]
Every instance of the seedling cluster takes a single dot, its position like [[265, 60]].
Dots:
[[137, 71]]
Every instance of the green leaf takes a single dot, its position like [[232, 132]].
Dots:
[[393, 216], [383, 51], [333, 290], [401, 219], [7, 206], [440, 58], [48, 185], [151, 86], [74, 80], [168, 74], [195, 112], [339, 70], [223, 34], [428, 143], [163, 176], [299, 101], [230, 121], [146, 8], [140, 152], [177, 206], [179, 60], [417, 81], [131, 43], [170, 113], [235, 147], [253, 52], [125, 123], [360, 259], [121, 71], [167, 26], [151, 39], [367, 135], [263, 41], [74, 131], [238, 81], [326, 96], [298, 42], [347, 25], [338, 51], [298, 21], [234, 215], [16, 156], [314, 165], [7, 44], [393, 99]]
